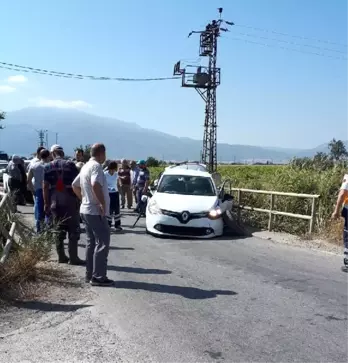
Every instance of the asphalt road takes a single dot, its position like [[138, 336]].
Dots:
[[242, 300], [230, 300]]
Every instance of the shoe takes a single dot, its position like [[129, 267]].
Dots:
[[87, 279], [77, 262], [63, 259], [118, 228], [104, 282], [122, 206]]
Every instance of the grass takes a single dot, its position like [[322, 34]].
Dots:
[[24, 264], [287, 178]]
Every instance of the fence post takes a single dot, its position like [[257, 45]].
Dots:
[[312, 220], [270, 218], [7, 247], [239, 204]]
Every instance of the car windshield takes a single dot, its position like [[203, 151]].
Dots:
[[3, 166], [186, 185]]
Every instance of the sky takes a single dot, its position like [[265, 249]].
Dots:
[[269, 96]]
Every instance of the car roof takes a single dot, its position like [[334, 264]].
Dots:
[[189, 165], [188, 172]]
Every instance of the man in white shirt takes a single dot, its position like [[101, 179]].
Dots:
[[36, 158], [92, 189], [36, 175]]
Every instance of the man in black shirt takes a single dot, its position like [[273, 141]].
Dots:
[[62, 204]]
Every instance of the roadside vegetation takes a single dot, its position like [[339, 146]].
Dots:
[[27, 261], [320, 175]]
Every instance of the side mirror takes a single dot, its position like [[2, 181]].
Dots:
[[154, 185]]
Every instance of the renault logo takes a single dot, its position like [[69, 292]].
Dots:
[[185, 216]]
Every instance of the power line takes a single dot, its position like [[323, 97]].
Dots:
[[293, 43], [20, 68], [290, 49], [291, 35]]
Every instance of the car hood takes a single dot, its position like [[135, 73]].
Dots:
[[180, 203]]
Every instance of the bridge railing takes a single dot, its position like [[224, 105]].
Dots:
[[272, 211]]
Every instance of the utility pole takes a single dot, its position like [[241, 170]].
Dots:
[[205, 80], [56, 137], [42, 134]]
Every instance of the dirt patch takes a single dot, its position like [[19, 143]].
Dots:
[[289, 239], [56, 289]]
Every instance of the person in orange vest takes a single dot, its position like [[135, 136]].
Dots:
[[341, 209]]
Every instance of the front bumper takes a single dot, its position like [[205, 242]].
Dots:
[[162, 225]]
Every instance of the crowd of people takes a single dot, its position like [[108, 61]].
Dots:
[[69, 191]]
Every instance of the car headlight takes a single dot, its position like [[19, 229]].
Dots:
[[215, 213], [154, 208]]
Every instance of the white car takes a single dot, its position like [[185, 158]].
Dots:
[[3, 166], [186, 203]]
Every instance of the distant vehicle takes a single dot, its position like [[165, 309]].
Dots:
[[3, 166], [187, 203], [4, 156], [26, 165]]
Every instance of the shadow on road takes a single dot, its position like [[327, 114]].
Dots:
[[139, 270], [128, 214], [46, 306], [82, 245], [128, 231], [186, 292], [121, 248]]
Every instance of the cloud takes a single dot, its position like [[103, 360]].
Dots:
[[17, 79], [6, 89], [44, 102]]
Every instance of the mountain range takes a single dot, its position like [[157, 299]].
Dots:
[[122, 139]]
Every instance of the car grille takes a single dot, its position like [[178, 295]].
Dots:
[[184, 231], [178, 215]]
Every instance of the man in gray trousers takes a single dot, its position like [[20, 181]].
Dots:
[[92, 189]]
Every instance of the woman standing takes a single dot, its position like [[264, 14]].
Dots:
[[111, 177]]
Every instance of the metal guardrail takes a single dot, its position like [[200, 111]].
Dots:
[[5, 205], [271, 211]]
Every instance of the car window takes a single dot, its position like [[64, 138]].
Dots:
[[186, 185], [3, 166]]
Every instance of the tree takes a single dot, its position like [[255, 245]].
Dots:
[[2, 117], [337, 149], [152, 162], [320, 157]]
